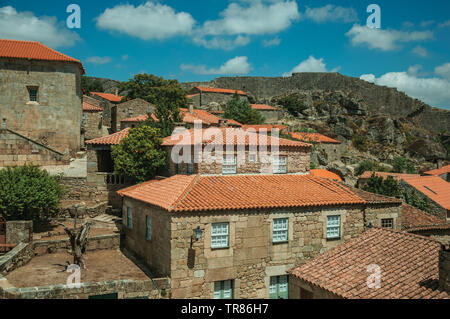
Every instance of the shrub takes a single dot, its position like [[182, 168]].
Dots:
[[293, 105], [388, 187], [360, 143], [241, 111], [402, 164], [366, 165], [139, 155], [29, 193]]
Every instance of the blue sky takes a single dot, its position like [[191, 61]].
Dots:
[[204, 39]]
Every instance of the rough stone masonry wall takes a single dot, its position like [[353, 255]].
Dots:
[[298, 161], [16, 150], [55, 120], [298, 287], [19, 232], [125, 289], [17, 257], [93, 125], [251, 258], [375, 213], [133, 108]]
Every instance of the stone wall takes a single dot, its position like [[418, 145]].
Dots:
[[442, 235], [433, 208], [17, 257], [298, 161], [133, 108], [300, 289], [19, 232], [101, 242], [125, 289], [93, 126], [374, 213], [205, 98], [18, 150], [54, 120], [270, 116]]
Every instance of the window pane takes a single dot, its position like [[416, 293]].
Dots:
[[280, 230], [333, 226], [219, 235], [148, 234], [218, 290]]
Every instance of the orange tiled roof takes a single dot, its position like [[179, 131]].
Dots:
[[217, 90], [108, 96], [373, 198], [263, 107], [33, 50], [264, 127], [91, 107], [326, 174], [434, 187], [409, 267], [230, 136], [139, 118], [210, 193], [396, 176], [314, 137], [190, 96], [415, 219], [439, 171], [113, 139]]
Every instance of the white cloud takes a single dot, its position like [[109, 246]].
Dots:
[[420, 51], [237, 65], [26, 26], [414, 69], [98, 60], [331, 13], [255, 19], [225, 43], [427, 23], [445, 24], [432, 90], [385, 40], [311, 65], [443, 71], [272, 42], [147, 21]]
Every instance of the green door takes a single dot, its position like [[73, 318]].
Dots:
[[279, 287]]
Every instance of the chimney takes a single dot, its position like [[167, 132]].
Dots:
[[444, 268], [191, 108], [117, 92]]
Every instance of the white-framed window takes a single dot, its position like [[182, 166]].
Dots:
[[252, 158], [223, 289], [148, 228], [229, 164], [279, 287], [280, 165], [280, 230], [129, 218], [333, 227], [220, 235], [387, 223]]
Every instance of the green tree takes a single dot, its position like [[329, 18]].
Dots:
[[378, 185], [166, 95], [139, 155], [402, 165], [241, 111], [91, 84], [293, 105], [29, 193], [364, 166]]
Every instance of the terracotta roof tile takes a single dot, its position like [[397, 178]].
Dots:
[[415, 219], [409, 266], [314, 137], [218, 90], [439, 171], [373, 198], [326, 174], [33, 50], [108, 96], [182, 193], [263, 107], [396, 176], [264, 128], [434, 187], [91, 107], [113, 139], [139, 118], [230, 136]]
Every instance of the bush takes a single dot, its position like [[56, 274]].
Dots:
[[139, 155], [366, 165], [378, 185], [360, 143], [241, 111], [29, 193], [293, 105], [402, 165]]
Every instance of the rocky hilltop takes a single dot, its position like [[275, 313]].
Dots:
[[380, 100]]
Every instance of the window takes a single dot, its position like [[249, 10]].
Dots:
[[229, 165], [333, 227], [148, 228], [252, 158], [223, 289], [279, 287], [129, 218], [280, 230], [387, 223], [190, 168], [448, 214], [83, 120], [32, 93], [280, 165], [219, 235]]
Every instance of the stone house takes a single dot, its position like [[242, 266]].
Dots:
[[361, 269], [203, 96], [132, 108], [270, 113], [92, 120], [232, 229], [109, 104], [41, 100], [329, 148]]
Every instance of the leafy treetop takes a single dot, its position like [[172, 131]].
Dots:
[[240, 110]]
